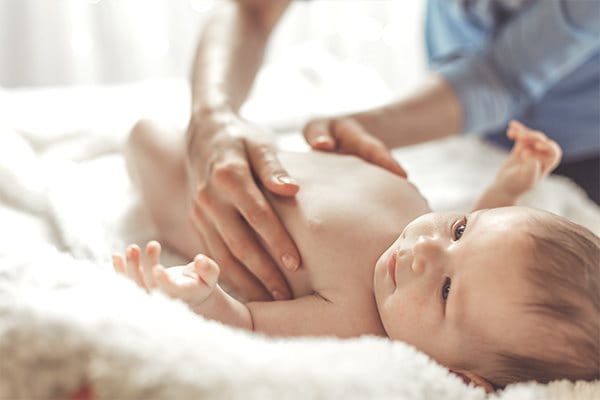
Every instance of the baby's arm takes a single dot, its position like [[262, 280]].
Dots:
[[532, 157], [196, 285]]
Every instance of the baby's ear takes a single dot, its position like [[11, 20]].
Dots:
[[471, 378]]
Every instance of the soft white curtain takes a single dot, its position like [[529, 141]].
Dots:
[[60, 42], [65, 42]]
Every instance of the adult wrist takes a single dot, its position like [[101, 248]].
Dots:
[[374, 121], [214, 113], [207, 122]]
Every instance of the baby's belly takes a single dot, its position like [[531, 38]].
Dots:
[[345, 215]]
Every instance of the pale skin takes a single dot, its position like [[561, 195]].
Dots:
[[228, 211], [378, 262]]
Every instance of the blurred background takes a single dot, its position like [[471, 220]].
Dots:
[[49, 43]]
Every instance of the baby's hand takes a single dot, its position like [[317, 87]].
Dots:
[[192, 283], [533, 156]]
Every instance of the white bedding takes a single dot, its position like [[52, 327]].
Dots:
[[65, 319]]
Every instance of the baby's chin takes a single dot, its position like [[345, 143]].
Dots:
[[379, 275], [380, 264]]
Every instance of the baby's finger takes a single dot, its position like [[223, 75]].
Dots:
[[516, 124], [552, 158], [527, 154], [514, 129], [118, 263], [541, 146], [546, 146], [176, 286], [152, 258], [521, 135], [518, 131], [163, 280], [134, 270], [207, 269], [538, 137]]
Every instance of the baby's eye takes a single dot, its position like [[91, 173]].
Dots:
[[459, 229], [446, 288]]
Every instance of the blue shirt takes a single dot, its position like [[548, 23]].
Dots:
[[537, 61]]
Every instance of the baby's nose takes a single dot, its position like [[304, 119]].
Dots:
[[427, 251]]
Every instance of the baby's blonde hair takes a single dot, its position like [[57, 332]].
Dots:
[[565, 275]]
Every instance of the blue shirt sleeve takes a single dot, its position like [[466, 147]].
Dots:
[[532, 51]]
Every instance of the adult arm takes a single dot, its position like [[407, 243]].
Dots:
[[534, 50], [225, 153], [432, 112]]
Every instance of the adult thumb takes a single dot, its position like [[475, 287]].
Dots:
[[318, 135]]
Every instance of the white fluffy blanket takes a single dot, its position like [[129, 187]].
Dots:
[[66, 320]]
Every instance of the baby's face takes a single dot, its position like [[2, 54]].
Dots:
[[452, 285]]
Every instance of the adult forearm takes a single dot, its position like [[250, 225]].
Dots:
[[432, 112], [230, 52], [227, 156]]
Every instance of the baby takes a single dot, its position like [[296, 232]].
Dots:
[[499, 295]]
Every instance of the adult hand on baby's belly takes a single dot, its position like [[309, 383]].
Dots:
[[236, 222], [347, 136]]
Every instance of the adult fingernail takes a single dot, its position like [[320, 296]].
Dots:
[[289, 262], [277, 295], [322, 139], [286, 180]]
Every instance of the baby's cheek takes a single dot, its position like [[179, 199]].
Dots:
[[407, 318]]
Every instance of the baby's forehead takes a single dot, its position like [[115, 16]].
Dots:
[[507, 242]]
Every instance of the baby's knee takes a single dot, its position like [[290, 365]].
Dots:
[[151, 140], [148, 138], [141, 133]]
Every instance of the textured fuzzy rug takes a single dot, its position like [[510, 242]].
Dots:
[[67, 323]]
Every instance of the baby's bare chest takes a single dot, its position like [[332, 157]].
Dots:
[[345, 215]]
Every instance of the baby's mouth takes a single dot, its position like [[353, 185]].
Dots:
[[391, 265]]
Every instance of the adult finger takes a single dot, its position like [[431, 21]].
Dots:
[[242, 244], [265, 164], [354, 139], [380, 155], [318, 136], [234, 275], [251, 203], [244, 247], [258, 213]]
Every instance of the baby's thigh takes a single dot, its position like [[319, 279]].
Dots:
[[155, 160], [150, 139]]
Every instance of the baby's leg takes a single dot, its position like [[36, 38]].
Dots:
[[154, 156]]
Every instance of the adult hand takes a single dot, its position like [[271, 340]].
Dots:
[[347, 136], [240, 229]]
